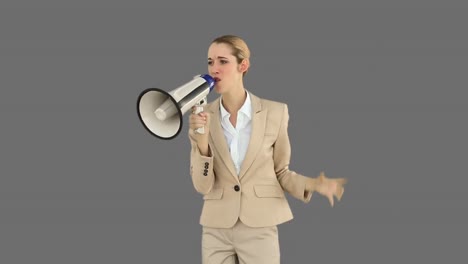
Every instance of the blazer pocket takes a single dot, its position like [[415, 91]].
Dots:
[[214, 194], [268, 191]]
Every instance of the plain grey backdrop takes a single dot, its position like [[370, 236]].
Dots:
[[376, 94]]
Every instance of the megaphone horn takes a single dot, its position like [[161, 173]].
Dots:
[[161, 112]]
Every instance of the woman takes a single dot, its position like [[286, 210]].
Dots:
[[240, 165]]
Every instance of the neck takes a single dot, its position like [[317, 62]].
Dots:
[[234, 99]]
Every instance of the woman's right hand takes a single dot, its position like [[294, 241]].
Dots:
[[200, 120]]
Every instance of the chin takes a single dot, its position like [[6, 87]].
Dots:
[[218, 89]]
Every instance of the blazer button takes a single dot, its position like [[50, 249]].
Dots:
[[205, 174], [236, 188], [206, 163], [206, 166]]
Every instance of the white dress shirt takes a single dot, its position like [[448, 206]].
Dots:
[[238, 137]]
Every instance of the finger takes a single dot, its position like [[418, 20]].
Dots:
[[340, 194], [198, 122], [342, 181], [321, 177], [201, 118], [195, 126], [330, 198], [197, 117]]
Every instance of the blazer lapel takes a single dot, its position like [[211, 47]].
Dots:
[[217, 135], [257, 133]]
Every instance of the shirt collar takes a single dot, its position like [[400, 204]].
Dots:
[[246, 108]]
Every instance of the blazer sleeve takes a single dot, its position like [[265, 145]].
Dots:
[[291, 181], [201, 167]]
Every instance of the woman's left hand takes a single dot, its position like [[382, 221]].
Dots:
[[330, 187]]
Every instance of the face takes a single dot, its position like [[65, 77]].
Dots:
[[223, 67]]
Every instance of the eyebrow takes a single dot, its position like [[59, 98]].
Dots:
[[219, 57]]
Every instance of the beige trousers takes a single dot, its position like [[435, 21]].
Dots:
[[240, 245]]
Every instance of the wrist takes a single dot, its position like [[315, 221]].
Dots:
[[311, 184], [204, 148]]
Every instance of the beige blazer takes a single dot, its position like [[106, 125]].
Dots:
[[256, 195]]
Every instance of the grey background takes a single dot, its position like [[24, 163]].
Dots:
[[376, 94]]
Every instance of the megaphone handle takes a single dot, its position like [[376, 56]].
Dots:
[[199, 109]]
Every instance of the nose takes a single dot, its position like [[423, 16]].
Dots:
[[214, 69], [214, 73]]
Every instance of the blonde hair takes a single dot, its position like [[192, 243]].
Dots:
[[240, 50]]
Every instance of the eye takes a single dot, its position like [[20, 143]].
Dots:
[[223, 61], [210, 62]]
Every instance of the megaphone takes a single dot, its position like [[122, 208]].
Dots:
[[161, 112]]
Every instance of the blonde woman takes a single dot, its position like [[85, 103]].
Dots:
[[241, 165]]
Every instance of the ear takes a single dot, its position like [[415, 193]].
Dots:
[[244, 65]]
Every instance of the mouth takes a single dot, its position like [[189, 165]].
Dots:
[[217, 79]]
